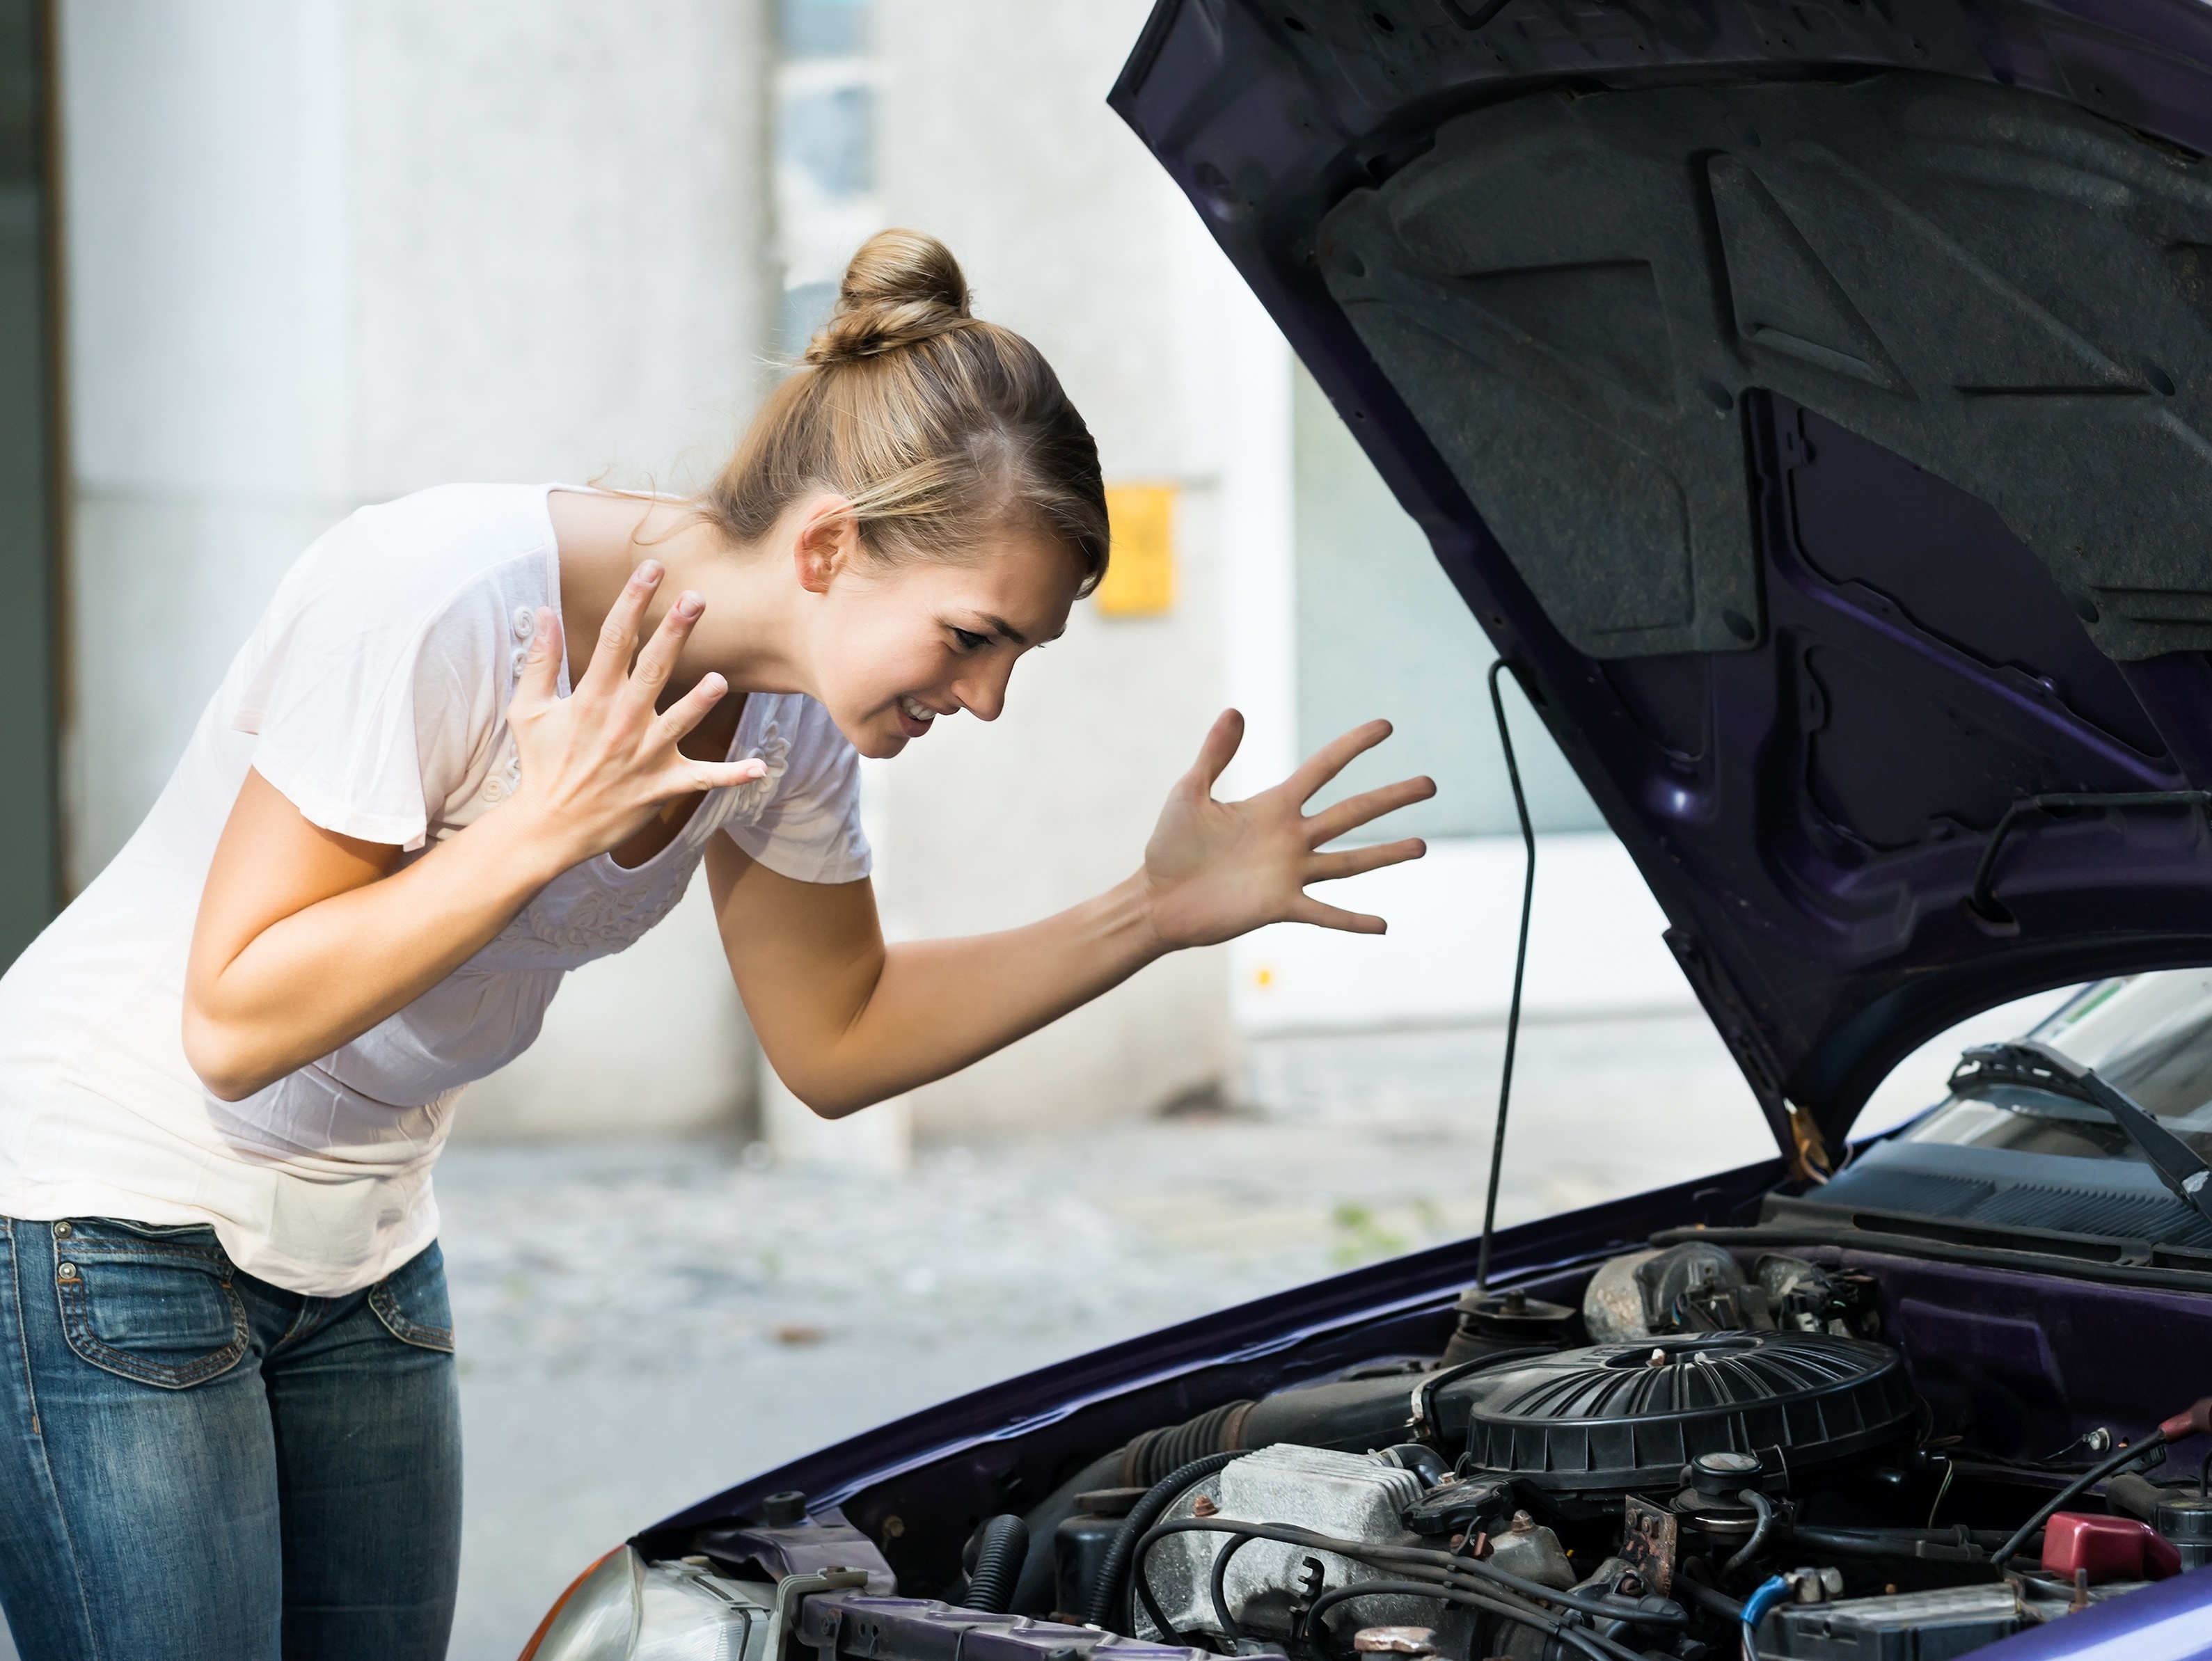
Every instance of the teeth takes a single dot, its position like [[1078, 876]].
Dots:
[[919, 711]]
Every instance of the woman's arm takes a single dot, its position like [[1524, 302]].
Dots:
[[305, 940], [847, 1021]]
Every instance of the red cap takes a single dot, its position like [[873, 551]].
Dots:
[[2110, 1548], [2196, 1421]]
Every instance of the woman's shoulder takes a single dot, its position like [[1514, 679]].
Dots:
[[450, 526], [398, 564]]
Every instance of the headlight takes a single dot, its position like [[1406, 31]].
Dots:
[[623, 1609]]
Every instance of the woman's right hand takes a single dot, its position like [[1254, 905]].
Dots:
[[597, 764]]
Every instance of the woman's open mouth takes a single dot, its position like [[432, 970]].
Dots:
[[915, 715]]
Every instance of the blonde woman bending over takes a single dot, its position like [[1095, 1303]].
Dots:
[[481, 736]]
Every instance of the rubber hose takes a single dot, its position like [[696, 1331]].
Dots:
[[1423, 1461], [1004, 1542], [1707, 1598], [2080, 1485], [1757, 1501], [1108, 1597], [1151, 1457], [1893, 1542]]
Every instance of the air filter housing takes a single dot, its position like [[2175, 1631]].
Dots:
[[1620, 1417]]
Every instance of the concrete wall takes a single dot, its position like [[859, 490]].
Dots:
[[322, 253]]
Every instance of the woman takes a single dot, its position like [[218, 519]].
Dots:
[[484, 735]]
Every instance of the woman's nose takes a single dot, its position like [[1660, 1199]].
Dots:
[[983, 693]]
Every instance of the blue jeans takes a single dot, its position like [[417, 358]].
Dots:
[[199, 1466]]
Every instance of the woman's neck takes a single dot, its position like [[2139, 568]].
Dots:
[[750, 626]]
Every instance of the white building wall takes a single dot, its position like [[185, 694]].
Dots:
[[321, 254]]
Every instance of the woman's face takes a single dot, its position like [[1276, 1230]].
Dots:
[[897, 648]]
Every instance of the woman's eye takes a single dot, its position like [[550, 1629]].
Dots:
[[969, 640]]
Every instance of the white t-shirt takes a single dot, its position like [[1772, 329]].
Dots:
[[374, 695]]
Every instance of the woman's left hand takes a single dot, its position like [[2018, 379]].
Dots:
[[1216, 870]]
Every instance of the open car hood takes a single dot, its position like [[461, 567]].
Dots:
[[1812, 401]]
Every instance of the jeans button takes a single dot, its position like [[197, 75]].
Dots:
[[61, 1231], [67, 1271]]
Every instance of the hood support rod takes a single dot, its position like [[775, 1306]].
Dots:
[[1520, 965]]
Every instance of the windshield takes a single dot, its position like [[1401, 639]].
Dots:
[[2149, 1034]]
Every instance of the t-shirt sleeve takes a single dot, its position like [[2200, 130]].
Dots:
[[366, 699], [810, 830]]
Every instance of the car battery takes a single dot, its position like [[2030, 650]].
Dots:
[[1918, 1626], [1922, 1625]]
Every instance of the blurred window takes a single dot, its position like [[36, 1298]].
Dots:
[[1381, 631], [825, 158], [829, 137], [824, 28], [30, 852]]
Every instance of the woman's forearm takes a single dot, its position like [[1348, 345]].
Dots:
[[942, 1004], [266, 994], [882, 1020]]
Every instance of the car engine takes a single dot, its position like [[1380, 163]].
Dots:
[[1709, 1457]]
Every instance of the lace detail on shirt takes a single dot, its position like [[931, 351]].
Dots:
[[599, 908]]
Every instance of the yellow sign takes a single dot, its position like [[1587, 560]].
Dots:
[[1140, 577]]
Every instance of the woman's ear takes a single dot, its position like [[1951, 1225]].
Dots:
[[826, 542]]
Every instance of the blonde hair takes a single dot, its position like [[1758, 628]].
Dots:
[[936, 427]]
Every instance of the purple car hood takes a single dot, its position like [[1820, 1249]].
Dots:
[[1812, 401]]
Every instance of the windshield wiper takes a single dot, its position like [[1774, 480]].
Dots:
[[2040, 1067]]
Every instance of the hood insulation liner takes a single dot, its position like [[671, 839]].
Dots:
[[1574, 294]]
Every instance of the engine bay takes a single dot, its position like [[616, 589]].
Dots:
[[1692, 1449]]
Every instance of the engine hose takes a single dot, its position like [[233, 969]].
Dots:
[[1706, 1598], [1108, 1597], [1957, 1544], [1425, 1462], [2193, 1419], [1004, 1542], [1752, 1547], [1441, 1569], [2080, 1485], [1149, 1457], [1770, 1592], [1589, 1643]]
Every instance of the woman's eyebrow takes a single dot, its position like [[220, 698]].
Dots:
[[1000, 625]]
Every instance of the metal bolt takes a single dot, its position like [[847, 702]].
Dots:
[[1204, 1506], [67, 1271]]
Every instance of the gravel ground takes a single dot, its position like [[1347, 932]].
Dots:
[[642, 1324]]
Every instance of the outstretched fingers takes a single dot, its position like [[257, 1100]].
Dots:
[[687, 711], [657, 662], [1355, 811], [610, 664], [1333, 757], [1309, 910], [1353, 862], [701, 776], [1218, 751]]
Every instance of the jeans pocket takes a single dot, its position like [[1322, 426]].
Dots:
[[152, 1304], [411, 1302]]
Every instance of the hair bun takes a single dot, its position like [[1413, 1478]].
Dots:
[[902, 287]]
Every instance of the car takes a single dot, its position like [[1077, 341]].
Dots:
[[1812, 401]]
